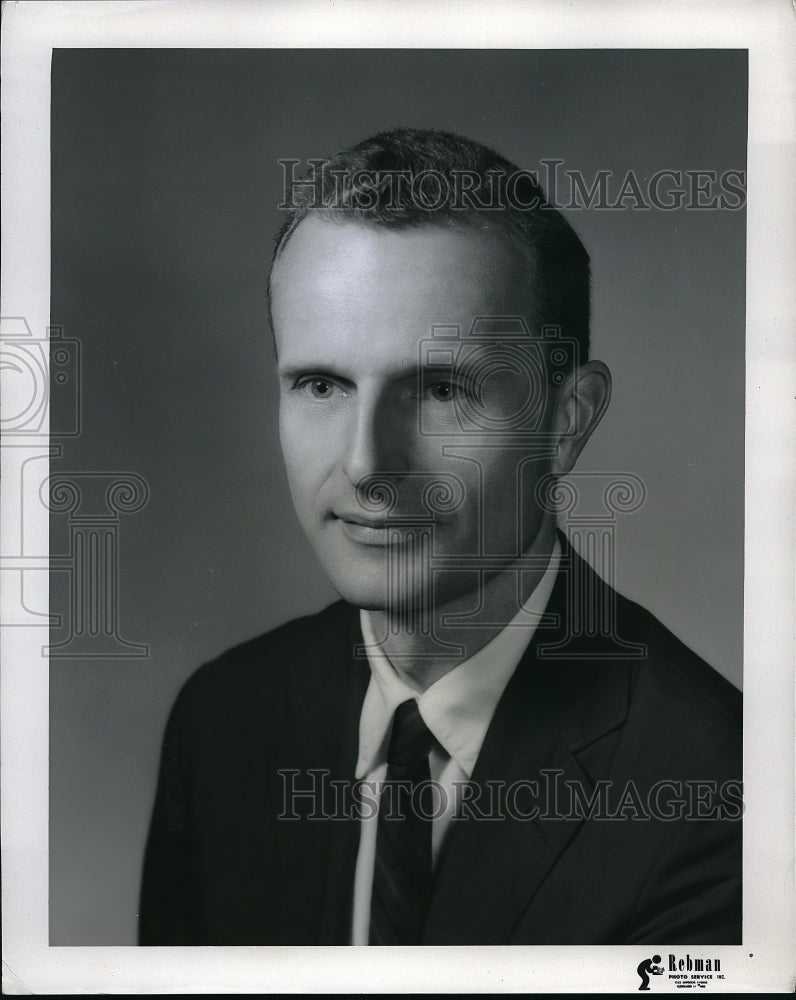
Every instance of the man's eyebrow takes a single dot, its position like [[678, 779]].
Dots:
[[409, 371], [314, 368], [451, 369]]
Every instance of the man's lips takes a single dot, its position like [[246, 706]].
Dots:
[[363, 530], [361, 519], [377, 530]]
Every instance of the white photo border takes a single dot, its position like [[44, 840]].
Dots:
[[765, 962]]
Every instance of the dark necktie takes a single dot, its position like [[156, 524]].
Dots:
[[402, 872]]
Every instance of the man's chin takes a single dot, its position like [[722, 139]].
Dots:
[[374, 595], [361, 597], [363, 589], [364, 578]]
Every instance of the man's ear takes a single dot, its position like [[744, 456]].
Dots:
[[580, 402]]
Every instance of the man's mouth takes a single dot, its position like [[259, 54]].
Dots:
[[362, 520], [362, 529]]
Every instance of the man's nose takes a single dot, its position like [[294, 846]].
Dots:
[[378, 439]]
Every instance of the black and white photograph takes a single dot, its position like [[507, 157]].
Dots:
[[378, 527]]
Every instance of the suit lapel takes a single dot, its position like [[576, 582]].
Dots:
[[344, 834], [553, 718], [318, 856]]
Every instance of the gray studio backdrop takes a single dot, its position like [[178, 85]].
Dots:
[[165, 186]]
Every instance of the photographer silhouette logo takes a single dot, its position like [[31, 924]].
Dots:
[[649, 967]]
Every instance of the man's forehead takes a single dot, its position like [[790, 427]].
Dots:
[[480, 249], [363, 280]]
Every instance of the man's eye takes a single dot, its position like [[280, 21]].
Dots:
[[319, 388], [442, 392]]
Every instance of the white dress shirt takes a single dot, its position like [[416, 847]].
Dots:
[[457, 709]]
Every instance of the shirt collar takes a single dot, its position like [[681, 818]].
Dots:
[[457, 708]]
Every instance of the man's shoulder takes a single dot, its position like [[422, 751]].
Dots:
[[696, 711], [673, 669], [263, 670], [667, 677], [294, 636]]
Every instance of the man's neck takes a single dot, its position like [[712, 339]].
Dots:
[[422, 656]]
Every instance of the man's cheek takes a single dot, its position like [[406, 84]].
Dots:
[[302, 479], [301, 445]]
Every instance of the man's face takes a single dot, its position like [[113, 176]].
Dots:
[[361, 397]]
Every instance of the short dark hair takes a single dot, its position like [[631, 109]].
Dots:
[[408, 177]]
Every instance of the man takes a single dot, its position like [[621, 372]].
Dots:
[[482, 742]]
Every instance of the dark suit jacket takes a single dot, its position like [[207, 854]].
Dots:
[[222, 868]]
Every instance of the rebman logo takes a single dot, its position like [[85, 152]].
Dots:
[[685, 971], [649, 967]]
